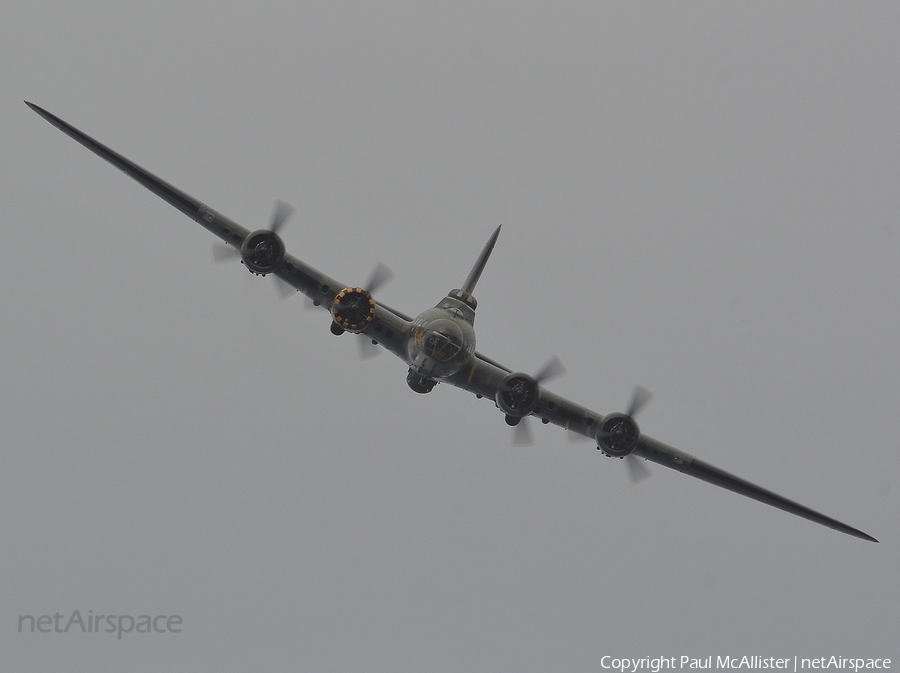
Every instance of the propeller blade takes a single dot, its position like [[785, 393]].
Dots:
[[522, 433], [639, 398], [307, 302], [222, 252], [380, 275], [551, 370], [637, 471], [280, 215], [576, 438], [367, 349], [285, 289]]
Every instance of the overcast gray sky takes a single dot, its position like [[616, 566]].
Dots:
[[697, 197]]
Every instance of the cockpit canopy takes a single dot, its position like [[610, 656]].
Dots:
[[460, 304]]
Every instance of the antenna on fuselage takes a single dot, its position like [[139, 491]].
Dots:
[[475, 273]]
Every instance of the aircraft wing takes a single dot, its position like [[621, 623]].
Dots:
[[298, 274], [485, 378], [660, 453], [226, 229]]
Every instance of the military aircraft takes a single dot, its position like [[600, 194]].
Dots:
[[438, 345]]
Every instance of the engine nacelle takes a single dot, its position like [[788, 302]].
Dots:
[[618, 435], [518, 395], [353, 309], [262, 251]]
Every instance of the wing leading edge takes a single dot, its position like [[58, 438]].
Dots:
[[482, 376]]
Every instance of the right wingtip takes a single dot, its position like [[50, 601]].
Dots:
[[858, 533]]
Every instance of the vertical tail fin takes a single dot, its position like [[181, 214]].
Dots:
[[475, 273]]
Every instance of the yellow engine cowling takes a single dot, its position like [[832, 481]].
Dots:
[[353, 309]]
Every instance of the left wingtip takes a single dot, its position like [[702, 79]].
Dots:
[[36, 108]]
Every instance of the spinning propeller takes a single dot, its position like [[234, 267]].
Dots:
[[262, 250], [380, 275], [619, 435], [353, 310], [526, 390]]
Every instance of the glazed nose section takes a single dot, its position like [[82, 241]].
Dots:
[[442, 340], [437, 348]]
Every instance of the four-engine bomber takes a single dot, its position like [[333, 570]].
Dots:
[[438, 345]]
